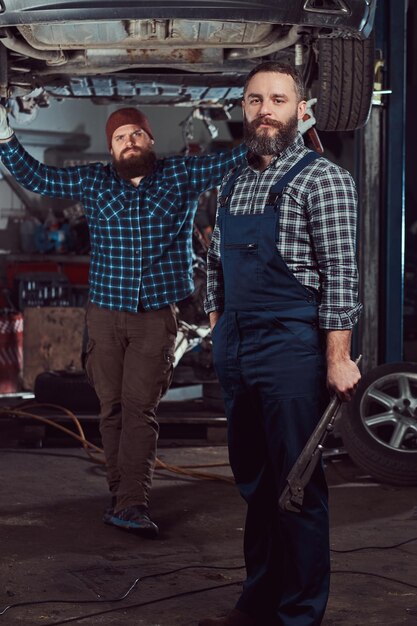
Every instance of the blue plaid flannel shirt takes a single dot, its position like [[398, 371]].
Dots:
[[141, 250]]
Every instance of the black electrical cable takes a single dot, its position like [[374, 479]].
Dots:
[[391, 580], [217, 567], [396, 545], [127, 593], [201, 590], [146, 603]]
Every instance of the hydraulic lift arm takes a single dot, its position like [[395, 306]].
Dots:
[[291, 498]]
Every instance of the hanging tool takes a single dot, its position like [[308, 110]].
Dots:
[[306, 125], [292, 496]]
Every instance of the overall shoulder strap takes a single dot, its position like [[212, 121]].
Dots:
[[277, 189], [228, 186]]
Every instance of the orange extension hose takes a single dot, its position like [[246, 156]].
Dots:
[[92, 450]]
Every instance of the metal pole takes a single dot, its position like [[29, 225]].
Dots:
[[393, 296], [368, 176]]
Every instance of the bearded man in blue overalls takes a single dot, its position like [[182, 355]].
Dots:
[[282, 300]]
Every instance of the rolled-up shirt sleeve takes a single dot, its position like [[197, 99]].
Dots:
[[215, 285], [332, 208]]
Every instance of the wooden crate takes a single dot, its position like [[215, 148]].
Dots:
[[52, 340]]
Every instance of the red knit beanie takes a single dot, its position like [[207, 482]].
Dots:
[[123, 117]]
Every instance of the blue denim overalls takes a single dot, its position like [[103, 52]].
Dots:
[[269, 357]]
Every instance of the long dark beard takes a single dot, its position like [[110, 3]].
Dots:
[[137, 164], [262, 143]]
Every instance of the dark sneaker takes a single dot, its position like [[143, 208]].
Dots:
[[108, 513], [135, 519]]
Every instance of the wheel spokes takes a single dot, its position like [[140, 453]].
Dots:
[[404, 387], [399, 433], [382, 397], [388, 417]]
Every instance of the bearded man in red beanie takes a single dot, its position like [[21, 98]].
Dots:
[[140, 213]]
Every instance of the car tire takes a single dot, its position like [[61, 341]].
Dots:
[[389, 392], [345, 85], [68, 389]]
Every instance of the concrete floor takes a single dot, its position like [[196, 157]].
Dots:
[[54, 546]]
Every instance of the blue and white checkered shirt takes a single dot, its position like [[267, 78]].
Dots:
[[140, 236], [317, 232]]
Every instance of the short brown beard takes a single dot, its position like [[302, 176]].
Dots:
[[139, 163], [263, 144]]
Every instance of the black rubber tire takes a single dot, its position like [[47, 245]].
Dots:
[[372, 453], [68, 389], [346, 79]]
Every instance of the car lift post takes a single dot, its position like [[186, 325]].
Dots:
[[380, 173]]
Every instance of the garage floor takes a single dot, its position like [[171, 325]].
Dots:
[[54, 546]]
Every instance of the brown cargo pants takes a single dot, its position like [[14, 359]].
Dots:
[[130, 364]]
